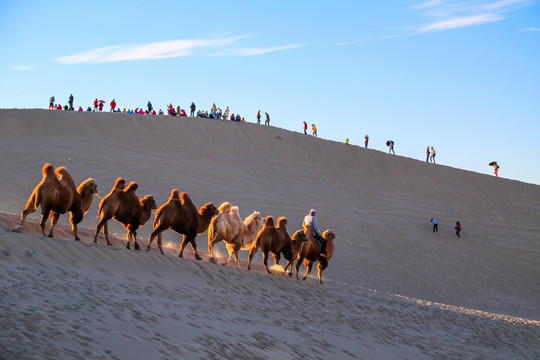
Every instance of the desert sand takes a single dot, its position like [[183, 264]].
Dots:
[[393, 289]]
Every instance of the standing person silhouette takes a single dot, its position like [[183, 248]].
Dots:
[[305, 127], [259, 117], [433, 153], [192, 108], [428, 153], [366, 141], [390, 144], [267, 121]]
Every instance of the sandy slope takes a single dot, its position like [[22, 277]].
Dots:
[[378, 205]]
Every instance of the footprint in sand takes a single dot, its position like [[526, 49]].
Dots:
[[6, 253], [29, 254]]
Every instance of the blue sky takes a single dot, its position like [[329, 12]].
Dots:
[[461, 76]]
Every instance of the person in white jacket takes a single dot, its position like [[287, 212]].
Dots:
[[310, 221]]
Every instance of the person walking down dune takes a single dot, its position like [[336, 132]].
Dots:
[[267, 121], [433, 155], [390, 144], [314, 130], [305, 128], [458, 229], [428, 153], [435, 225]]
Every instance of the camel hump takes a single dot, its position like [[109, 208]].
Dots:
[[224, 208], [282, 222], [269, 221], [131, 187], [120, 183], [233, 210], [48, 169], [175, 194]]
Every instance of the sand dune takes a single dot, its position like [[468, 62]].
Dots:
[[62, 299]]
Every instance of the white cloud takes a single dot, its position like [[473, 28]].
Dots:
[[165, 49], [446, 15], [460, 22], [23, 67], [255, 51], [531, 29]]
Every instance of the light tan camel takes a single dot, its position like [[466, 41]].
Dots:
[[229, 227], [124, 206], [57, 194], [311, 252], [180, 215]]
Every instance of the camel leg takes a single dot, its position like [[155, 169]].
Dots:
[[237, 258], [308, 265], [211, 245], [135, 243], [228, 259], [289, 263], [159, 239], [157, 232], [297, 267], [252, 253], [320, 267], [276, 257], [100, 224], [191, 240], [31, 206], [265, 261], [128, 239], [54, 221], [106, 233]]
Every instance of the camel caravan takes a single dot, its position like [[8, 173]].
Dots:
[[57, 194]]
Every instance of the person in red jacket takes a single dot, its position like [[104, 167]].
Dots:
[[113, 105], [95, 105], [305, 127]]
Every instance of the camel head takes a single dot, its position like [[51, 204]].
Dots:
[[120, 183], [88, 186], [282, 222], [328, 235], [299, 235], [208, 209], [148, 200], [269, 221], [254, 218]]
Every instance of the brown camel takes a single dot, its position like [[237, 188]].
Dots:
[[311, 251], [57, 194], [237, 235], [124, 206], [297, 240], [268, 239], [180, 215]]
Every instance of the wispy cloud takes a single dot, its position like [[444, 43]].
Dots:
[[446, 14], [166, 49], [255, 51], [23, 67], [530, 29]]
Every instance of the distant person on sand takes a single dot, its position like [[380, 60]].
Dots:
[[259, 117], [347, 141], [366, 141], [310, 221], [390, 144], [51, 102], [267, 121], [314, 130], [433, 155], [305, 127], [70, 102], [192, 108], [149, 106], [435, 225], [100, 106], [458, 229], [96, 103], [428, 153], [113, 105]]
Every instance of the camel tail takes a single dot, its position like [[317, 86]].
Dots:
[[34, 200], [158, 218]]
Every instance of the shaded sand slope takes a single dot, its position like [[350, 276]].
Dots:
[[378, 205], [62, 299]]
